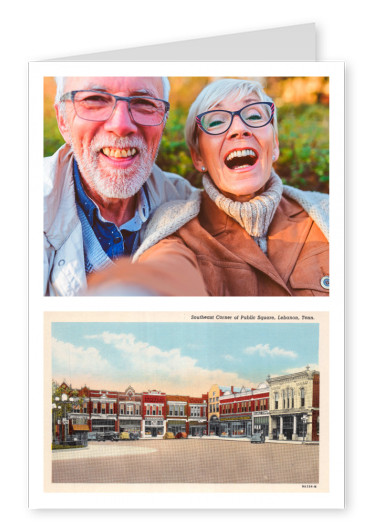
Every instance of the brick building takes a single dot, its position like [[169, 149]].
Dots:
[[186, 414], [244, 411], [153, 413]]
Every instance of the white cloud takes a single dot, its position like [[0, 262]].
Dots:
[[69, 361], [168, 370], [228, 357], [265, 350]]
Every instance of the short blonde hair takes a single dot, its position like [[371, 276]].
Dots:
[[216, 92]]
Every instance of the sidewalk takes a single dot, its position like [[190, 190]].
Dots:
[[234, 439]]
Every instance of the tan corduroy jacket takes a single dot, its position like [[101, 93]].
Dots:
[[213, 255]]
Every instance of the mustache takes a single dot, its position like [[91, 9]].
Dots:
[[102, 141]]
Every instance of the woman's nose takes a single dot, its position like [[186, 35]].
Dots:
[[238, 128], [120, 121]]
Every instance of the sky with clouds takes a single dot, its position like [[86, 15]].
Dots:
[[186, 358]]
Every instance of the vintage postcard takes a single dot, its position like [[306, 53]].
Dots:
[[187, 402]]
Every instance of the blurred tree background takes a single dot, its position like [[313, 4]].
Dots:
[[303, 125]]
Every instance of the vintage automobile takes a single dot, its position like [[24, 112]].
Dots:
[[107, 436], [169, 435], [126, 436], [181, 435], [258, 437]]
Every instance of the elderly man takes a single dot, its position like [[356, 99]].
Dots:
[[102, 186]]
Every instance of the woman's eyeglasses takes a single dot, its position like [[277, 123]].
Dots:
[[254, 115]]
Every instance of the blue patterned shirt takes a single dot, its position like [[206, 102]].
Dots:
[[115, 241]]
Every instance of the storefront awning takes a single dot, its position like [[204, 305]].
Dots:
[[80, 427]]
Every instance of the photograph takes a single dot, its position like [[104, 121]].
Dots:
[[186, 186], [214, 400]]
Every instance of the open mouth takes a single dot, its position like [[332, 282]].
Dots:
[[241, 158], [116, 153]]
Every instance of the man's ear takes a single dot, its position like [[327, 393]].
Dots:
[[61, 122], [197, 160]]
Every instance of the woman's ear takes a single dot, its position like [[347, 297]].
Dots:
[[62, 124], [275, 149], [197, 160]]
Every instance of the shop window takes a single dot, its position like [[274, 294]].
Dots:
[[302, 397]]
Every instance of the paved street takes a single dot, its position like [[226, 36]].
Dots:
[[187, 461]]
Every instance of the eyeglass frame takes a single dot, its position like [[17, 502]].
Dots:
[[70, 96], [236, 113]]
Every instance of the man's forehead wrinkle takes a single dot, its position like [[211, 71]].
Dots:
[[131, 92], [144, 92]]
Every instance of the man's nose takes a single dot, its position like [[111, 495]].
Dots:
[[238, 128], [120, 121]]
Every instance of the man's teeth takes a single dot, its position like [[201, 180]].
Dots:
[[241, 153], [119, 153]]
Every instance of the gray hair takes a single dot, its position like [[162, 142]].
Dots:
[[60, 84], [213, 94]]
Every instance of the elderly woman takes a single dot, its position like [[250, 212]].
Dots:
[[247, 234]]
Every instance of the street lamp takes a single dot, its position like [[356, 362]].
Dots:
[[64, 420]]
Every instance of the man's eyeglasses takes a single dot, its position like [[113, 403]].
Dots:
[[253, 115], [98, 106]]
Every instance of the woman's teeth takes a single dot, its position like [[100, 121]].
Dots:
[[119, 153], [241, 153], [241, 158]]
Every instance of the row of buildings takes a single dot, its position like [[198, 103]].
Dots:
[[283, 408]]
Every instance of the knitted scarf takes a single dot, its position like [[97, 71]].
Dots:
[[255, 215]]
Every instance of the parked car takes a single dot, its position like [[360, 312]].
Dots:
[[258, 437], [181, 435], [107, 436], [92, 436], [126, 436], [169, 435]]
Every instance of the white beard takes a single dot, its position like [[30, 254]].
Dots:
[[114, 183]]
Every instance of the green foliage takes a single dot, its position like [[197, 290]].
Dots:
[[304, 146], [174, 155], [65, 446], [52, 137]]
